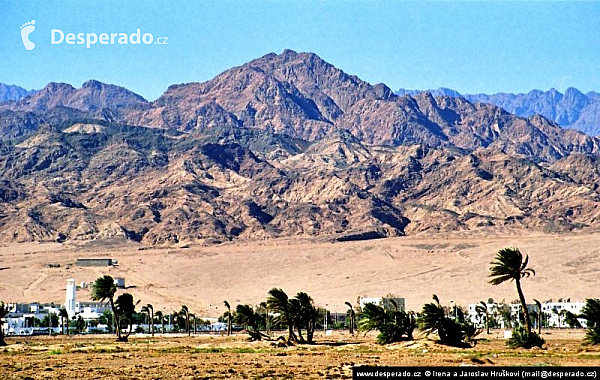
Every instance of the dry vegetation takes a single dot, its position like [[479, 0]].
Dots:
[[179, 357]]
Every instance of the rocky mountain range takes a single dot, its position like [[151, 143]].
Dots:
[[11, 93], [573, 109], [285, 145]]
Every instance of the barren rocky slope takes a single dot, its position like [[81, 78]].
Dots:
[[573, 109], [284, 145]]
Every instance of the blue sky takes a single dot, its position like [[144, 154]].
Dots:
[[468, 46]]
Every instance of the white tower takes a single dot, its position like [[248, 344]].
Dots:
[[71, 297]]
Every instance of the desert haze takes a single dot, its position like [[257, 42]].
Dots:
[[453, 266]]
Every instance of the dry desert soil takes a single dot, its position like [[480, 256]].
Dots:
[[455, 267], [219, 357]]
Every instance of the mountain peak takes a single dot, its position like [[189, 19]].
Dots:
[[92, 83], [57, 86]]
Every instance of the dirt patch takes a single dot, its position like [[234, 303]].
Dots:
[[205, 356]]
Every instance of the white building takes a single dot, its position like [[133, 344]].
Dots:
[[555, 313], [71, 298], [86, 310], [385, 302], [21, 318]]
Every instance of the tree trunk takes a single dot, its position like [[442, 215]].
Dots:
[[291, 335], [2, 342], [487, 322], [310, 332], [229, 324], [300, 337], [523, 306], [187, 322], [267, 320], [116, 319], [124, 338]]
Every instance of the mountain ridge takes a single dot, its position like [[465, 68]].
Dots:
[[573, 109], [12, 93], [284, 145]]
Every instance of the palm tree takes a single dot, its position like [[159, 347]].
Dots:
[[125, 311], [591, 313], [539, 315], [151, 308], [228, 317], [149, 311], [3, 313], [307, 316], [393, 325], [278, 302], [104, 288], [482, 309], [64, 315], [352, 321], [510, 265], [456, 331], [159, 315], [246, 316], [264, 306], [295, 310], [186, 313]]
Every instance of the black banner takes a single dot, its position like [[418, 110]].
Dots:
[[475, 373]]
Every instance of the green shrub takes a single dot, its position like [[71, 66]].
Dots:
[[521, 339], [393, 325], [591, 313]]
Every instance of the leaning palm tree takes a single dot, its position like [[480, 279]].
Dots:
[[104, 288], [482, 310], [539, 315], [159, 315], [264, 306], [149, 311], [352, 318], [228, 317], [246, 316], [308, 316], [64, 315], [3, 313], [151, 308], [394, 325], [510, 265], [278, 302], [591, 313], [186, 313], [125, 311]]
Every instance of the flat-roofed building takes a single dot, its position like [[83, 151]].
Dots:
[[95, 262]]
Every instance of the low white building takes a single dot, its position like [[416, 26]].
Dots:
[[86, 309], [385, 302], [21, 318], [555, 313]]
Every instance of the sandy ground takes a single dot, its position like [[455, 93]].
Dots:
[[455, 267], [215, 357]]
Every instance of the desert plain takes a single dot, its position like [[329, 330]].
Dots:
[[453, 266], [222, 357]]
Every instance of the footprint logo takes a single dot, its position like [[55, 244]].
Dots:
[[26, 30]]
